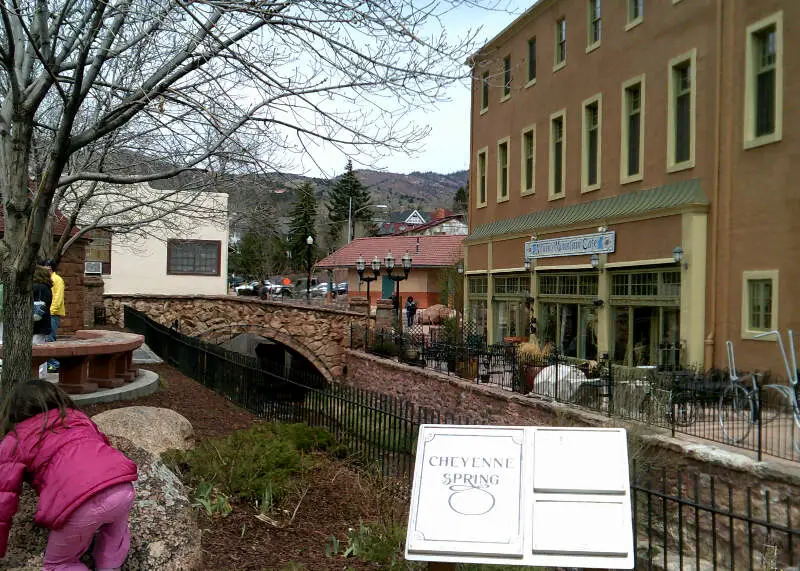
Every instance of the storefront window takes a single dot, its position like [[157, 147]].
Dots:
[[511, 318], [646, 317], [477, 316], [567, 316]]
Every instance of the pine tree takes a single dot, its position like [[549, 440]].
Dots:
[[304, 215], [340, 208], [461, 201]]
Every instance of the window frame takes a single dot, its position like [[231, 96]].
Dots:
[[507, 142], [556, 63], [632, 23], [531, 79], [751, 140], [484, 153], [172, 272], [591, 42], [689, 57], [524, 191], [624, 177], [505, 93], [596, 99], [484, 92], [759, 275], [551, 195]]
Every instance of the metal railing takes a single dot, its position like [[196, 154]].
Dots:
[[681, 521], [680, 401]]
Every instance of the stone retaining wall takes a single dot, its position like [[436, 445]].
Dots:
[[455, 397]]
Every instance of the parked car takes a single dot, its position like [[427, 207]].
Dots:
[[250, 288], [320, 290], [272, 290], [341, 288], [235, 281]]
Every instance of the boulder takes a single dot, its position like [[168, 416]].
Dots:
[[435, 314], [154, 429], [164, 535]]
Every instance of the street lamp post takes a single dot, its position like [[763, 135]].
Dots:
[[375, 266], [406, 266], [350, 215], [309, 243]]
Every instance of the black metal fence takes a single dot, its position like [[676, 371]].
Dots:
[[681, 401], [680, 521]]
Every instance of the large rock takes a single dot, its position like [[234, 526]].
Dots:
[[164, 535], [151, 428]]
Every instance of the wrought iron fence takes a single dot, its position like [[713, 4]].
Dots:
[[681, 521], [682, 401]]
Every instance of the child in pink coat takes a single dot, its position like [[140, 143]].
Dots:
[[84, 484]]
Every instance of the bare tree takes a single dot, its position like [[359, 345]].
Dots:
[[188, 84]]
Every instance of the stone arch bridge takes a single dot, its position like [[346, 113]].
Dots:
[[320, 334]]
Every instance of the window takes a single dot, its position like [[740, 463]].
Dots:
[[663, 284], [591, 144], [99, 250], [478, 285], [528, 160], [482, 177], [531, 60], [681, 118], [632, 155], [506, 77], [567, 316], [558, 153], [759, 303], [512, 285], [502, 170], [193, 257], [561, 44], [485, 91], [595, 25], [635, 13], [763, 112]]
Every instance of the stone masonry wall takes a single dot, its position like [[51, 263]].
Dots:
[[488, 404], [320, 334]]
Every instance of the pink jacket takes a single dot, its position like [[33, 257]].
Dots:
[[66, 465]]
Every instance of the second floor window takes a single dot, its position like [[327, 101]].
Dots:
[[683, 110], [485, 91], [528, 160], [531, 59], [561, 42], [591, 145], [766, 57], [595, 22], [482, 178], [635, 11], [557, 155], [502, 170], [506, 76], [632, 130], [763, 116]]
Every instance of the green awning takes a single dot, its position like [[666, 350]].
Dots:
[[667, 197]]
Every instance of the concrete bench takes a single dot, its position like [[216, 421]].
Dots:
[[91, 359]]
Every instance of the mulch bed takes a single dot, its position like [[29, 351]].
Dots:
[[337, 498]]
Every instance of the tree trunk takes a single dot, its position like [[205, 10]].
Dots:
[[17, 330]]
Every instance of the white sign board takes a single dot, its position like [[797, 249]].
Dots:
[[535, 496], [586, 244]]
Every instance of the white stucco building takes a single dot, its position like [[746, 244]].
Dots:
[[187, 257]]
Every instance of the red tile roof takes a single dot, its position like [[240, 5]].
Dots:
[[59, 224], [433, 251]]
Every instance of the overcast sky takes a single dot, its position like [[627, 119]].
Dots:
[[447, 146]]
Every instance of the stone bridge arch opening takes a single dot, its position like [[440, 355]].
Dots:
[[277, 353]]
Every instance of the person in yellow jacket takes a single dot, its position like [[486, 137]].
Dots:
[[57, 310]]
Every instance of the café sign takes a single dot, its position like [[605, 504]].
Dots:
[[587, 244], [536, 496]]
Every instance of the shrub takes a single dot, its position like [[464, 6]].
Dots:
[[248, 463]]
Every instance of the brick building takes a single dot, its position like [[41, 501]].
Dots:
[[641, 149]]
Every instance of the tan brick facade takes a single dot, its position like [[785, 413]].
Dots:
[[744, 228]]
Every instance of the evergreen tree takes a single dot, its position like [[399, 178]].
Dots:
[[340, 208], [251, 258], [461, 200], [304, 215]]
